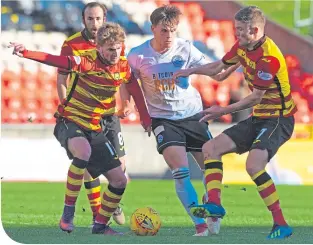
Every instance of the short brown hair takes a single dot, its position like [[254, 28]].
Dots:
[[167, 14], [110, 33], [251, 14], [93, 5]]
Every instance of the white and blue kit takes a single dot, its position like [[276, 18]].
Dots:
[[171, 103]]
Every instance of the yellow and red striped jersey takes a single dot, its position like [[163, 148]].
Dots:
[[265, 69], [78, 44], [92, 87]]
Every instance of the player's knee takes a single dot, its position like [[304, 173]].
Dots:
[[119, 182], [250, 170], [256, 161], [253, 168], [83, 154], [209, 149]]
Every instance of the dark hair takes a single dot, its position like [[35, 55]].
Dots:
[[251, 14], [167, 14], [95, 4]]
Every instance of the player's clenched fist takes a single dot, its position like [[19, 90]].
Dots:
[[17, 49]]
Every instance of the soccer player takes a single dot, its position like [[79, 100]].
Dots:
[[93, 15], [270, 125], [95, 78], [173, 105]]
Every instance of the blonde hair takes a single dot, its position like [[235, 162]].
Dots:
[[251, 15], [167, 14], [110, 33]]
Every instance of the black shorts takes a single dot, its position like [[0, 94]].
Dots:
[[111, 127], [188, 132], [103, 155], [257, 133]]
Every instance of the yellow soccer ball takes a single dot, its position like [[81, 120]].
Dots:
[[145, 222]]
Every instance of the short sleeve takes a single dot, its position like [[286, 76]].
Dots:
[[231, 57], [197, 58], [78, 63], [132, 58], [265, 72]]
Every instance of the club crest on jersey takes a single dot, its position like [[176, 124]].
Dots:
[[116, 76], [265, 76], [178, 61], [160, 138]]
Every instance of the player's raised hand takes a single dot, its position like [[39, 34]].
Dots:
[[182, 73], [212, 113], [18, 48]]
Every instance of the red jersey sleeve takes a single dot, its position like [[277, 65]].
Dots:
[[75, 63], [231, 57], [65, 51], [265, 72]]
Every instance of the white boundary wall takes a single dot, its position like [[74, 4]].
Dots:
[[31, 153]]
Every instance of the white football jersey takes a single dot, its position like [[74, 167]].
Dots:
[[166, 97]]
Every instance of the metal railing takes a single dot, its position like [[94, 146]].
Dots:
[[298, 22]]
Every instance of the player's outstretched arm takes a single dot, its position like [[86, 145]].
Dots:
[[225, 74], [45, 58], [137, 94], [210, 69], [217, 111]]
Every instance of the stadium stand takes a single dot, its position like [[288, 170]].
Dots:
[[29, 90]]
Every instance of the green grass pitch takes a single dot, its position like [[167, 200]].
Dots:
[[281, 11], [31, 211]]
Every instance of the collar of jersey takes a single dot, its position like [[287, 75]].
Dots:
[[164, 54], [103, 61], [86, 36]]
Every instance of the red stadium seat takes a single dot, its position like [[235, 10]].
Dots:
[[48, 105], [10, 116], [194, 9], [211, 26], [223, 94], [7, 77], [292, 62], [48, 117], [31, 116], [207, 93], [30, 90], [306, 81], [13, 89], [15, 103], [227, 27], [295, 79], [31, 104]]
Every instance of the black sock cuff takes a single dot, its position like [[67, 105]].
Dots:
[[180, 173], [116, 191], [92, 184], [79, 163], [263, 178], [215, 164]]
